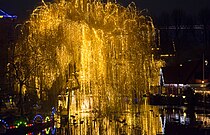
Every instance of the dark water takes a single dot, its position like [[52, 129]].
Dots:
[[142, 119], [137, 119]]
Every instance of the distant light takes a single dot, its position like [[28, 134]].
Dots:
[[5, 15], [155, 48], [167, 55], [47, 119], [38, 115], [202, 81], [47, 130], [203, 85], [164, 55], [53, 130], [180, 65], [206, 62]]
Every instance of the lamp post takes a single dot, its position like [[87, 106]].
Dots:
[[180, 77]]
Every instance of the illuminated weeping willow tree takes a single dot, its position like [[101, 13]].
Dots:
[[107, 45]]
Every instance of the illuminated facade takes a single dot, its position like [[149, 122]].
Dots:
[[191, 73], [185, 49]]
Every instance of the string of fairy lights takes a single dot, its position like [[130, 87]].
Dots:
[[109, 44]]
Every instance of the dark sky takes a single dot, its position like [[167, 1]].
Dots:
[[156, 7], [22, 8]]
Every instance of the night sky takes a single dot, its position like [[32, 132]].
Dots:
[[22, 8], [158, 6]]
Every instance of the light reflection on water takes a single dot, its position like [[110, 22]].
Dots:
[[143, 120], [46, 131]]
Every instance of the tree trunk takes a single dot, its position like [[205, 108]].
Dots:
[[20, 99]]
